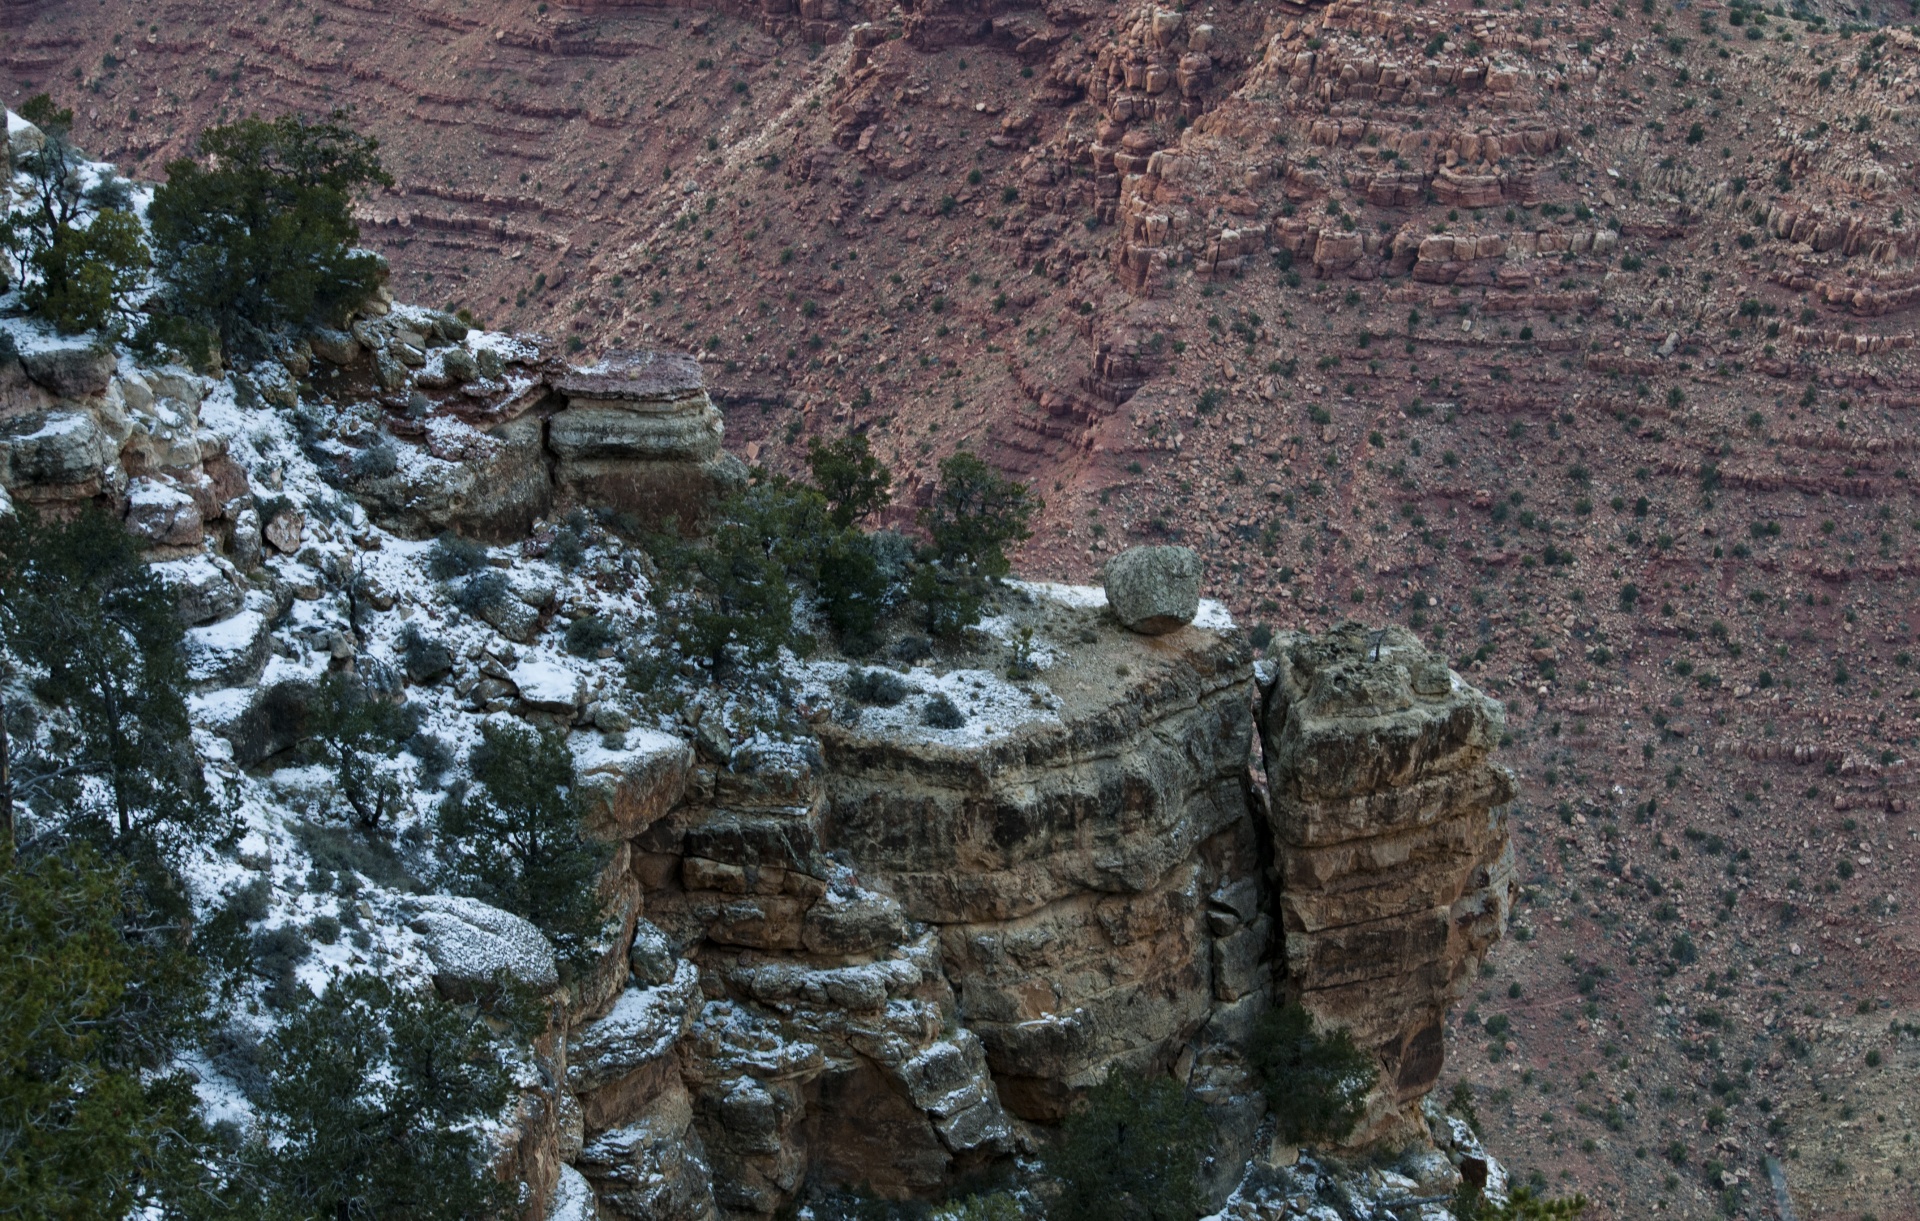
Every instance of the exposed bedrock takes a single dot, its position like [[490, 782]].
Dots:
[[635, 433], [1396, 867], [1070, 867], [892, 956], [638, 434]]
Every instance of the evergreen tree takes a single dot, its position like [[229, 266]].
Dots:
[[976, 512], [93, 1122], [261, 237], [1316, 1083], [519, 837], [1131, 1153], [853, 481], [103, 638], [374, 1102], [354, 731], [79, 255], [729, 602], [88, 273]]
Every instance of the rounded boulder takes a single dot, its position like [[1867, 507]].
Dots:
[[1154, 590]]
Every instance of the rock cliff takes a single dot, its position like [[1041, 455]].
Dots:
[[880, 947], [1396, 871]]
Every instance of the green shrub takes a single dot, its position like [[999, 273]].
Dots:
[[482, 593], [1316, 1083], [422, 656], [882, 687], [87, 274], [588, 634], [451, 557], [78, 255], [261, 237], [976, 512], [1523, 1204], [375, 1108], [98, 994], [1130, 1153], [998, 1206], [853, 481], [516, 835], [353, 730], [941, 713], [78, 604]]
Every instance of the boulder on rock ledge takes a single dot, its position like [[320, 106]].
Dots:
[[1154, 590]]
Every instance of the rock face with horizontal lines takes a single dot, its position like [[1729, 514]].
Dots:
[[1395, 864]]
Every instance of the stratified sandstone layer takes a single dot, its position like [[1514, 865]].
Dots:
[[638, 434], [1396, 868], [1071, 867]]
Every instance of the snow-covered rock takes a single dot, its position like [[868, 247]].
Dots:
[[470, 942]]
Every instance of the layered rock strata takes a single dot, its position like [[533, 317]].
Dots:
[[891, 955], [635, 434], [639, 435], [1395, 863]]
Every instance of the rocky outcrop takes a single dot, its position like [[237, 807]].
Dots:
[[635, 434], [1070, 866], [639, 435], [1395, 864], [887, 955]]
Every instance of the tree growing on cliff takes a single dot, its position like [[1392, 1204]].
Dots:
[[1131, 1152], [103, 640], [258, 235], [976, 512], [518, 837], [1317, 1084], [728, 604], [375, 1103], [78, 254], [98, 992], [855, 483], [354, 731]]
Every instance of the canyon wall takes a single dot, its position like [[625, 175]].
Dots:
[[897, 960], [867, 950]]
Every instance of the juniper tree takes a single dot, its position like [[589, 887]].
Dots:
[[102, 639], [1130, 1153], [261, 237], [354, 731], [518, 836], [375, 1105]]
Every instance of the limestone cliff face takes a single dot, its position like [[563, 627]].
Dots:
[[1395, 862], [893, 955], [1076, 871], [877, 953]]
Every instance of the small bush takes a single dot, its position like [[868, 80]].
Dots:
[[482, 592], [942, 713], [422, 657], [375, 462], [1131, 1153], [276, 952], [1317, 1084], [518, 837], [913, 648], [882, 687], [452, 556], [568, 548], [588, 634], [996, 1207], [435, 756]]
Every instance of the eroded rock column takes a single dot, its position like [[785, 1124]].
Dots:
[[1390, 836]]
